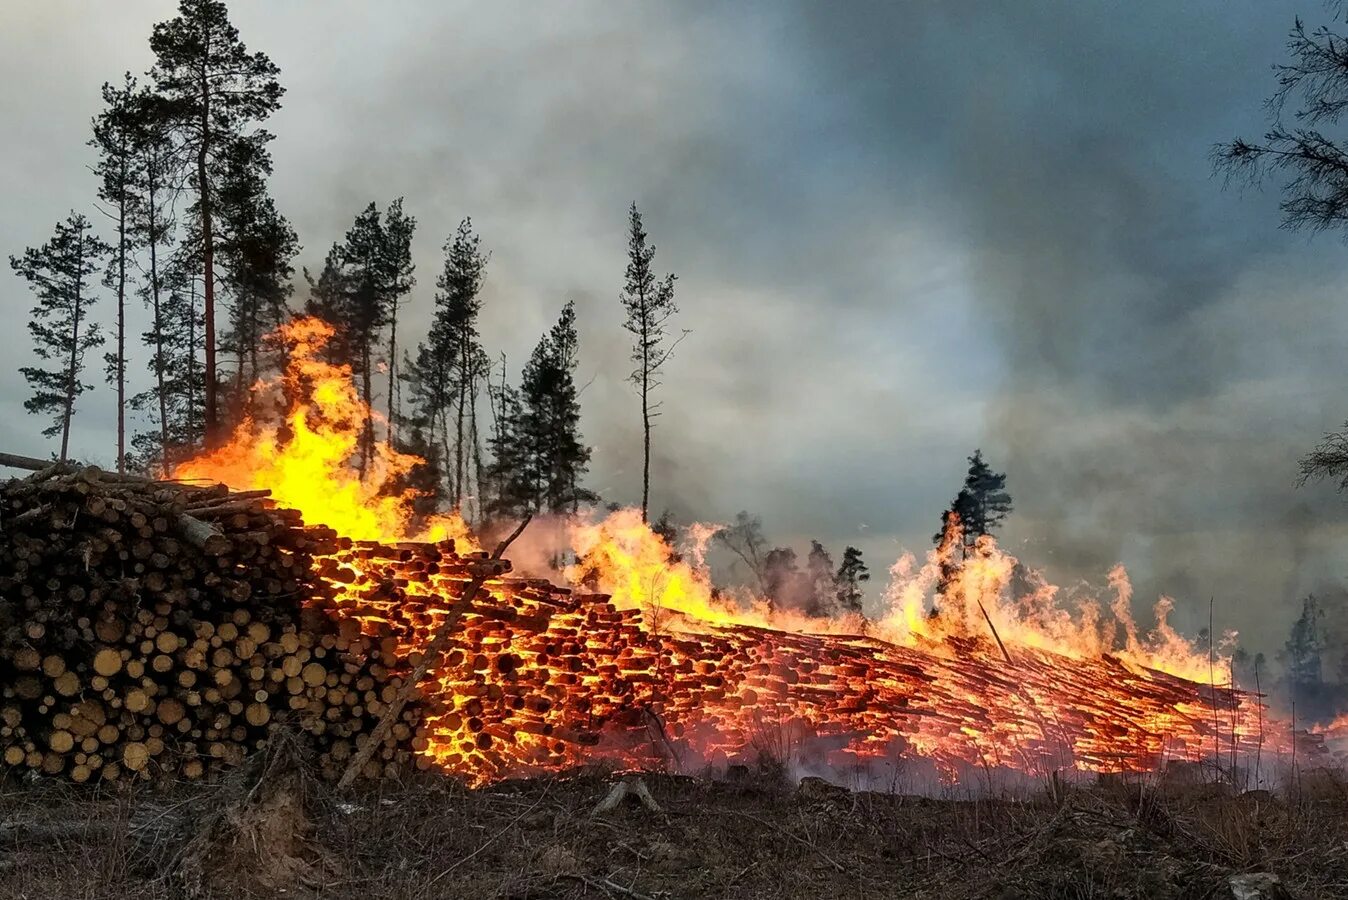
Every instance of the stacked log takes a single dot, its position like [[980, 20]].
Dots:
[[150, 629], [158, 630]]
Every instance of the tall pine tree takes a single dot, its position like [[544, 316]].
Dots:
[[852, 573], [58, 272], [649, 303], [539, 455], [399, 281], [152, 224], [982, 504], [217, 92], [116, 132], [454, 332], [257, 247]]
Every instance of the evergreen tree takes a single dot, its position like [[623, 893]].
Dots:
[[427, 377], [539, 457], [455, 335], [116, 131], [151, 225], [327, 301], [821, 590], [424, 479], [362, 310], [216, 92], [781, 577], [58, 273], [851, 574], [1302, 654], [668, 532], [552, 418], [982, 504], [375, 272], [649, 303], [256, 246], [512, 472], [399, 281], [179, 393]]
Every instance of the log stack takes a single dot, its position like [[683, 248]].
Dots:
[[152, 629]]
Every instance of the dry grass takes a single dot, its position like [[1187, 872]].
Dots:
[[278, 834]]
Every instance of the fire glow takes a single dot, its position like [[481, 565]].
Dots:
[[657, 669]]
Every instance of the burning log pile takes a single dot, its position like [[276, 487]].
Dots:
[[152, 629], [149, 628], [542, 679]]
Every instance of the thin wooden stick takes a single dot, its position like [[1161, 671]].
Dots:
[[431, 655]]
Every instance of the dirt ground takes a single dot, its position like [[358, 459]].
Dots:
[[280, 834]]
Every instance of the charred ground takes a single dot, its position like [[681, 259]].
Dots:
[[274, 831]]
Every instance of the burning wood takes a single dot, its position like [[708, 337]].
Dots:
[[152, 629]]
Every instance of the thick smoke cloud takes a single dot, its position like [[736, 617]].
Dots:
[[902, 231]]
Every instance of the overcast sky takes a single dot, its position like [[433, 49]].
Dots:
[[901, 230]]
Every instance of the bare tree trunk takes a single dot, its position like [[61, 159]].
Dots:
[[212, 423], [191, 370], [121, 321], [367, 428], [645, 427], [74, 355], [477, 447], [392, 373], [458, 433], [158, 334]]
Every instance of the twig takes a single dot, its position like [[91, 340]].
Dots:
[[432, 655], [795, 837], [494, 838], [604, 884]]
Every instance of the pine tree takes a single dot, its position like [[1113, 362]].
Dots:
[[649, 303], [362, 310], [116, 131], [375, 272], [512, 472], [851, 574], [58, 273], [179, 394], [982, 504], [1302, 654], [454, 333], [256, 246], [552, 418], [398, 230], [327, 301], [216, 92], [151, 225], [821, 593], [539, 457], [781, 577]]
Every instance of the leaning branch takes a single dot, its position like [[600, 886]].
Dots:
[[432, 654]]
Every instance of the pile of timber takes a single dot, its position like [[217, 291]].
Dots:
[[156, 630]]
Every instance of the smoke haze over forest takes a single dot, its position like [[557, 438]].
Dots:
[[901, 232]]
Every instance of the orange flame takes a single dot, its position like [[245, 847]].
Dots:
[[966, 586], [305, 455]]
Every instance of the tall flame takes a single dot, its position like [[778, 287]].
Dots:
[[963, 591], [301, 440]]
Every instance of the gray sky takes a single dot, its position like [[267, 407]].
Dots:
[[902, 231]]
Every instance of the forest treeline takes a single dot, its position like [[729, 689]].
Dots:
[[184, 222]]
